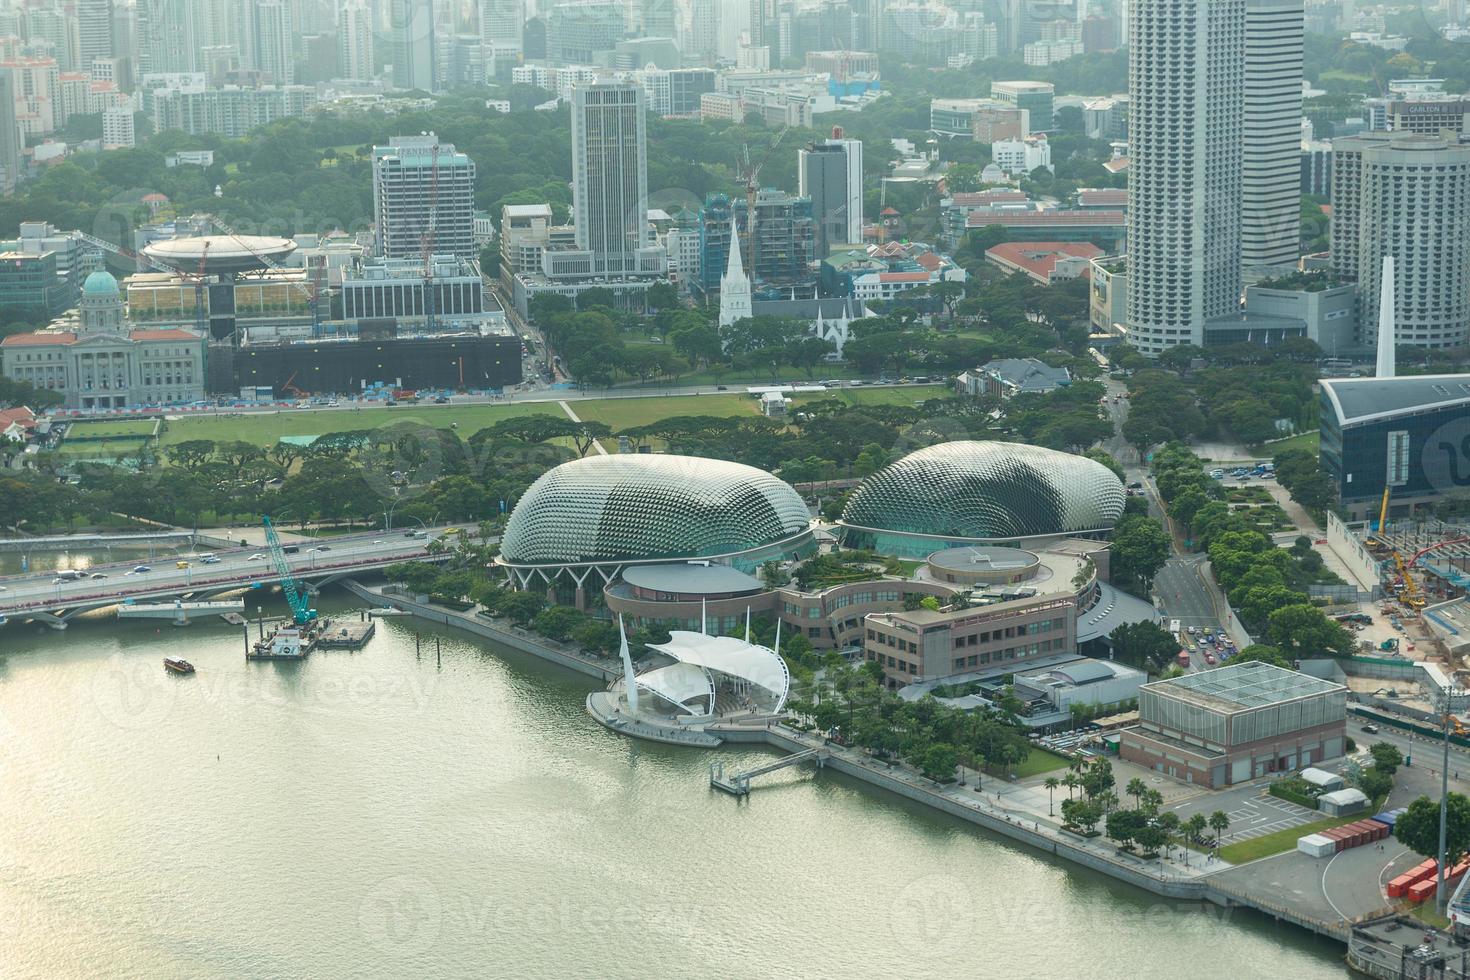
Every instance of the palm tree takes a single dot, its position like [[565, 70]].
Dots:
[[1219, 822], [1136, 789], [1051, 785], [1152, 800], [1070, 781]]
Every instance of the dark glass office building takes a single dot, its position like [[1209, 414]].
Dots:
[[1410, 434]]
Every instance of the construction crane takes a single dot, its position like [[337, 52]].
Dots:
[[752, 189], [197, 277], [300, 602], [426, 240]]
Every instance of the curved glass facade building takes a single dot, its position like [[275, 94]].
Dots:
[[960, 493], [607, 511]]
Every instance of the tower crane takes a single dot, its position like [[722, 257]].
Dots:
[[752, 188], [426, 240], [312, 292]]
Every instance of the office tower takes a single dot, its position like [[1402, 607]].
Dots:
[[94, 32], [355, 41], [410, 201], [415, 50], [48, 25], [830, 172], [1186, 106], [657, 18], [1270, 208], [576, 33], [704, 31], [1406, 197], [11, 140], [272, 39], [502, 28], [168, 40], [610, 174], [1035, 97]]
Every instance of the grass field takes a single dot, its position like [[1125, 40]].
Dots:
[[266, 429], [102, 448], [1040, 761], [140, 428], [1307, 440], [1282, 840]]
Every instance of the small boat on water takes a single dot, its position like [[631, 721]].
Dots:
[[177, 665]]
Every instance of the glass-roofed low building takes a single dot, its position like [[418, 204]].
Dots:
[[1236, 723], [968, 492], [582, 523]]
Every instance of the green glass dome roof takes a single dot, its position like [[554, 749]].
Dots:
[[100, 283], [987, 490], [638, 507]]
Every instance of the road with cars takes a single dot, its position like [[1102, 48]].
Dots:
[[104, 584]]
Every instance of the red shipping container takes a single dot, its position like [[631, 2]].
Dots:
[[1421, 890], [1399, 885]]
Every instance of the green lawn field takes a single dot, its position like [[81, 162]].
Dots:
[[140, 428], [1039, 761], [266, 429]]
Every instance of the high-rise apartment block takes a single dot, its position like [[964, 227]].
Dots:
[[1406, 197], [415, 46], [1270, 230], [1186, 134]]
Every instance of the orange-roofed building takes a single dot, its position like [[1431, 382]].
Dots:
[[104, 364], [1044, 262]]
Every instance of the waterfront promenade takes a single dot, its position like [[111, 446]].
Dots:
[[1288, 887]]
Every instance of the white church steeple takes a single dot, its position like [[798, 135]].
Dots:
[[734, 284]]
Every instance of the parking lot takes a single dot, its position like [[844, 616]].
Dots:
[[1252, 811]]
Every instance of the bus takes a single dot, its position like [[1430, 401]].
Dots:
[[1183, 658]]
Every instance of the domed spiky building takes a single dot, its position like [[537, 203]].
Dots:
[[959, 493], [600, 514]]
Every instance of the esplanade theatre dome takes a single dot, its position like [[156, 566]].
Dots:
[[613, 510], [960, 492]]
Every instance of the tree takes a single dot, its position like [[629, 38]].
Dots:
[[1194, 828], [939, 761], [558, 622], [1386, 758], [1136, 789], [1051, 785], [1150, 837], [1303, 631], [1219, 822], [1145, 645], [1375, 783], [1123, 825], [1263, 653], [520, 607], [1417, 828], [1140, 548]]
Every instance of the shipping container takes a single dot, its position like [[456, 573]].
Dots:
[[1399, 887], [1421, 890], [1315, 845]]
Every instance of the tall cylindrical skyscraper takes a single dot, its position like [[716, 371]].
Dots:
[[1271, 199], [1186, 78]]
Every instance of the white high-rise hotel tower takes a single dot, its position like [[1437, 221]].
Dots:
[[1214, 85]]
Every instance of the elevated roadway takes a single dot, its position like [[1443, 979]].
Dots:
[[53, 599]]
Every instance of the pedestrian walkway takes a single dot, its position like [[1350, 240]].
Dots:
[[602, 450]]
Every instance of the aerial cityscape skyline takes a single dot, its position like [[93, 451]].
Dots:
[[556, 445]]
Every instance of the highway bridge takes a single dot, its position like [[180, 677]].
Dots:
[[53, 598]]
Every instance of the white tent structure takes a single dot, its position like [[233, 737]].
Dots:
[[707, 665]]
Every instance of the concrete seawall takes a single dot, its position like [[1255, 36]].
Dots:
[[1179, 889], [517, 640]]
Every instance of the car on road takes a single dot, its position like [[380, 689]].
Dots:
[[1135, 486], [140, 569], [323, 547], [377, 541], [1209, 658], [1194, 631], [441, 400], [4, 588], [256, 557], [409, 534], [99, 575], [1371, 729], [209, 560]]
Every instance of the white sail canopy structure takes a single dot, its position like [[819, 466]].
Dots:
[[679, 684], [752, 667]]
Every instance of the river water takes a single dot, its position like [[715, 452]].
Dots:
[[397, 813]]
